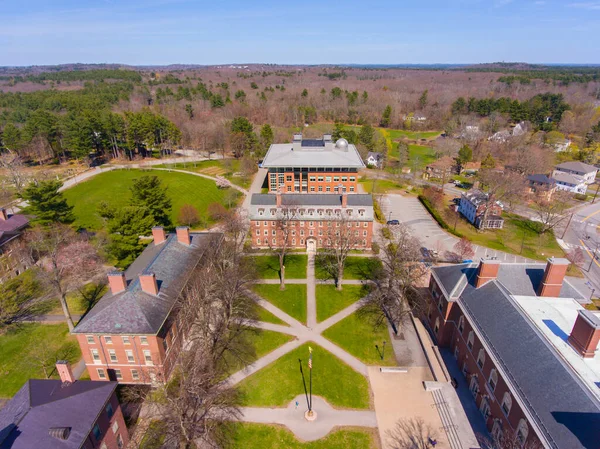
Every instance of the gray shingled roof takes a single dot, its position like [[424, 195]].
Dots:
[[563, 409], [44, 403], [519, 279], [14, 223], [310, 199], [577, 166], [136, 312], [541, 178], [568, 178]]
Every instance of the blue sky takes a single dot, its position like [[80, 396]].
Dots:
[[305, 31]]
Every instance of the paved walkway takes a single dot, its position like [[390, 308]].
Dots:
[[292, 417]]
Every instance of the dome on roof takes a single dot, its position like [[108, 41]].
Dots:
[[341, 144]]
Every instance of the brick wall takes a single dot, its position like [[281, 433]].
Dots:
[[263, 233], [113, 431], [130, 352], [316, 182], [453, 333]]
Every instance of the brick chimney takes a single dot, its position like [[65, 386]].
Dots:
[[487, 271], [117, 282], [148, 283], [3, 214], [344, 199], [585, 334], [554, 275], [64, 371], [278, 197], [183, 235], [159, 235]]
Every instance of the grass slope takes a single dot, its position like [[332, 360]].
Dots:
[[264, 315], [330, 300], [268, 266], [358, 336], [263, 342], [261, 436], [22, 346], [355, 268], [113, 187], [292, 300], [280, 382]]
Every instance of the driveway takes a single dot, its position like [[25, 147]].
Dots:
[[409, 211]]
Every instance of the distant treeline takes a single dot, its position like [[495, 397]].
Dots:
[[544, 111], [524, 74], [78, 75]]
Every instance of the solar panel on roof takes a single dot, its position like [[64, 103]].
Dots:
[[313, 143]]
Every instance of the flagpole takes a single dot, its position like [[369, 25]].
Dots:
[[304, 383], [310, 377]]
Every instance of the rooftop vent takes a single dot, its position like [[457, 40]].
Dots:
[[60, 433]]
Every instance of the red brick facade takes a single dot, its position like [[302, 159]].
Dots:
[[495, 401], [136, 359], [111, 431], [313, 182], [267, 233]]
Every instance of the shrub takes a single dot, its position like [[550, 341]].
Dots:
[[375, 248], [437, 217]]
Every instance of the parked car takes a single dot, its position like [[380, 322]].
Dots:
[[393, 222], [425, 252]]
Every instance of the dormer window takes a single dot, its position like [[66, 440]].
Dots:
[[311, 212], [361, 212], [320, 212], [273, 211], [349, 212], [261, 211]]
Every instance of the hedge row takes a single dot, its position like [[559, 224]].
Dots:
[[436, 215]]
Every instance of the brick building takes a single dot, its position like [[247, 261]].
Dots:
[[313, 166], [526, 347], [132, 334], [473, 205], [314, 219], [63, 414], [11, 228]]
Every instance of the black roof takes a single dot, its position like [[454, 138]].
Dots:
[[313, 143], [136, 312], [44, 403], [311, 199], [542, 179]]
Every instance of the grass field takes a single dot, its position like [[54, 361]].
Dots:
[[214, 168], [263, 314], [268, 266], [355, 268], [113, 187], [330, 300], [78, 301], [261, 436], [280, 382], [292, 300], [23, 348], [357, 335], [396, 134], [381, 185], [263, 342]]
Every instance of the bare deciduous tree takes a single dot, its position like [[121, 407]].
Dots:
[[13, 165], [396, 292], [411, 433], [65, 259], [280, 244], [342, 236], [188, 215], [505, 187], [464, 248], [507, 440], [551, 213]]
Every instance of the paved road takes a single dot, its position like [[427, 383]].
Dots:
[[584, 232], [410, 211]]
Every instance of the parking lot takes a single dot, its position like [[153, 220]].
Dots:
[[409, 211]]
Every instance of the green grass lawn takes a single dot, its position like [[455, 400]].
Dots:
[[357, 335], [412, 135], [330, 300], [292, 300], [261, 436], [263, 342], [214, 168], [280, 382], [268, 266], [25, 347], [263, 314], [113, 187], [78, 301], [381, 185], [355, 268]]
